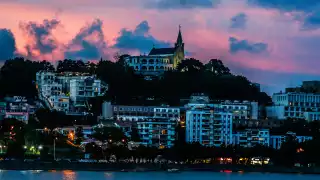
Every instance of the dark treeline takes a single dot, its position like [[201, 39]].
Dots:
[[17, 77]]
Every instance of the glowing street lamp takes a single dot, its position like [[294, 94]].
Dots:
[[71, 136]]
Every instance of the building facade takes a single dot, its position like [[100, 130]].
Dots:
[[294, 105], [242, 109], [138, 113], [158, 132], [208, 125], [59, 89], [82, 89], [159, 59], [277, 140], [251, 137]]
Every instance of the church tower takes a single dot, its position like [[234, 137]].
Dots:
[[179, 42], [179, 49]]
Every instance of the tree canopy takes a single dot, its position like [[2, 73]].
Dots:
[[17, 77]]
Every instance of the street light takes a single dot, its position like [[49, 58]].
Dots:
[[40, 147]]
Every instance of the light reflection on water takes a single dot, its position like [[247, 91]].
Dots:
[[85, 175], [69, 175]]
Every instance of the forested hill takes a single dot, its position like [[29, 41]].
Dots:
[[17, 77]]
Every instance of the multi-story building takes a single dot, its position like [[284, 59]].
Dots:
[[167, 112], [260, 123], [208, 125], [294, 105], [137, 113], [277, 140], [150, 65], [59, 102], [159, 59], [241, 109], [19, 108], [132, 113], [83, 88], [251, 137], [158, 132], [53, 87]]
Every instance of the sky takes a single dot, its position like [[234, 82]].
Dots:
[[271, 42]]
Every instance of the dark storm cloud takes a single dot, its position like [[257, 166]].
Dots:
[[238, 21], [7, 44], [311, 21], [182, 4], [236, 45], [310, 8], [89, 43], [287, 5], [40, 36], [138, 39]]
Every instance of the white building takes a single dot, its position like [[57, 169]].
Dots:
[[138, 113], [107, 110], [251, 137], [159, 59], [53, 87], [158, 132], [277, 140], [241, 109], [83, 88], [167, 112], [59, 102], [294, 105], [150, 65], [208, 125]]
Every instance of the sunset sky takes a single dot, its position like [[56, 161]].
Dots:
[[272, 42]]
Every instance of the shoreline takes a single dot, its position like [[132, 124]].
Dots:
[[117, 167]]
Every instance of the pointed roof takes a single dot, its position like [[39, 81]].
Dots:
[[179, 38]]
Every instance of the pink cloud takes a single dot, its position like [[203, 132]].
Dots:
[[205, 31]]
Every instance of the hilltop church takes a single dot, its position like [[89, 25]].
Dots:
[[159, 59]]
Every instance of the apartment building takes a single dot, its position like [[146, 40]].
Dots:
[[208, 125], [277, 140], [132, 113], [54, 88], [138, 113], [260, 123], [19, 108], [251, 137], [84, 88], [158, 132], [241, 109], [298, 105], [60, 102]]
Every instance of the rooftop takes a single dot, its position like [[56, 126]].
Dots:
[[158, 51]]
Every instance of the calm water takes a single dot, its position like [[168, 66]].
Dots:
[[70, 175]]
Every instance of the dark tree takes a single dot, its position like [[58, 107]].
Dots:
[[216, 67], [17, 77], [69, 65], [79, 135], [135, 135], [190, 65]]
